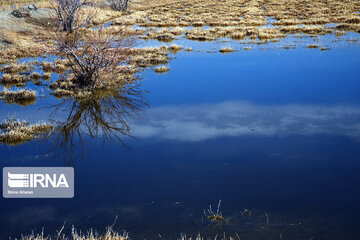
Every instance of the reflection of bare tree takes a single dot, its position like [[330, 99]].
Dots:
[[102, 113]]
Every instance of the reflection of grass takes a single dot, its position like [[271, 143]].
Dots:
[[15, 132]]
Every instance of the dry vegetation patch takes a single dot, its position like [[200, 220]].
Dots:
[[161, 69], [226, 50], [236, 19], [23, 97], [14, 132]]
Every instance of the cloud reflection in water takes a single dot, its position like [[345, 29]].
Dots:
[[206, 121]]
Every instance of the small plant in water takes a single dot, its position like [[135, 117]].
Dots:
[[14, 132], [161, 69], [215, 217], [226, 50]]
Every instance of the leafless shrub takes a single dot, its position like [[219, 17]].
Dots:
[[69, 16], [119, 5], [95, 58]]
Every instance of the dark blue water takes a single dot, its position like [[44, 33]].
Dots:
[[275, 131]]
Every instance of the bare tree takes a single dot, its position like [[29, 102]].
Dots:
[[95, 58], [69, 16], [119, 5]]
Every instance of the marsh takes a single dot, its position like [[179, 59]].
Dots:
[[270, 129]]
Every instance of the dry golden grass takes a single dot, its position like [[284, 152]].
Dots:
[[46, 76], [236, 19], [199, 34], [12, 79], [15, 132], [164, 35], [18, 96], [199, 13], [226, 50], [35, 76], [15, 68], [312, 46], [175, 48], [47, 66], [161, 69], [10, 53], [148, 57]]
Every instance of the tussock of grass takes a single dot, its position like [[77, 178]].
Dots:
[[15, 68], [23, 97], [13, 78], [61, 65], [23, 48], [15, 132], [312, 46], [161, 69], [199, 35], [46, 76], [240, 35], [59, 93], [148, 59], [226, 50], [35, 76], [339, 33], [175, 48], [349, 27], [164, 35], [47, 67], [316, 30]]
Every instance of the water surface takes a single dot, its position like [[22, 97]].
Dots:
[[272, 130]]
